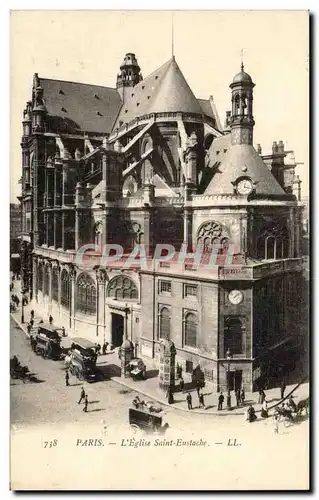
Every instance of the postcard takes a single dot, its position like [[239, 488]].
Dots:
[[159, 250]]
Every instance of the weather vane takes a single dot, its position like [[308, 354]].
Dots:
[[242, 59]]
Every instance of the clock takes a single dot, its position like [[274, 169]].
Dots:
[[244, 186], [235, 297]]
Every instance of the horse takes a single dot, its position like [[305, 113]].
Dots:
[[303, 405]]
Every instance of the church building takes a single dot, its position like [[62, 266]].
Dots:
[[149, 163]]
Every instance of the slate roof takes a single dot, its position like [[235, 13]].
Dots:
[[231, 168], [80, 106], [164, 90]]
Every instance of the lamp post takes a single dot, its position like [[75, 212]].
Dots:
[[228, 397]]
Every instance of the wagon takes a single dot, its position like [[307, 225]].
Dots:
[[143, 419]]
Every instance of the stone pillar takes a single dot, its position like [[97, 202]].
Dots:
[[63, 225], [243, 235], [101, 279], [167, 365], [291, 233], [127, 352], [59, 289], [73, 296], [35, 279], [251, 238], [50, 287]]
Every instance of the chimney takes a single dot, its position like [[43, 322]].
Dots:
[[274, 147], [281, 147], [259, 150]]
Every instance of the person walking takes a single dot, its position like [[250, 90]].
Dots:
[[63, 331], [282, 390], [242, 396], [264, 410], [32, 314], [238, 399], [104, 348], [67, 378], [82, 395], [170, 397], [262, 396], [189, 401], [181, 384], [86, 402], [50, 319], [220, 401], [201, 400], [198, 387]]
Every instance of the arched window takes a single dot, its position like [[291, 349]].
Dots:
[[270, 247], [55, 284], [233, 336], [213, 237], [85, 295], [122, 288], [190, 330], [40, 277], [65, 289], [164, 324], [237, 104], [46, 280]]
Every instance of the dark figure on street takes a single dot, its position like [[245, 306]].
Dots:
[[50, 319], [198, 387], [82, 396], [104, 347], [251, 415], [63, 332], [261, 396], [86, 402], [282, 390], [181, 384], [29, 327], [201, 400], [67, 378], [189, 401], [238, 397], [31, 322], [170, 397], [32, 314], [220, 401], [264, 410], [97, 349], [242, 396]]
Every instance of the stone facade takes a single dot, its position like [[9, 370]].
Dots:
[[167, 175]]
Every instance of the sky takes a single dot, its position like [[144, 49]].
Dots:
[[89, 47]]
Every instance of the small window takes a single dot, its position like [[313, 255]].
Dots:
[[63, 109], [61, 92], [165, 287], [99, 113], [190, 290], [96, 96]]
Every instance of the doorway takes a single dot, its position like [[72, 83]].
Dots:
[[235, 379], [117, 329]]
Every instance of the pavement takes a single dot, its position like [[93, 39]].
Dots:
[[110, 365]]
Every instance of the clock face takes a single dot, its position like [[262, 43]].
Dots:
[[235, 297], [244, 186]]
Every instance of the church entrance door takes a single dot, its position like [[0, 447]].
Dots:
[[117, 329]]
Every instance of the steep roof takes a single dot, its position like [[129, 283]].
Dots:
[[231, 168], [164, 90], [80, 106], [206, 107]]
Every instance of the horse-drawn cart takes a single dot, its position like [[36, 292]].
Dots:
[[146, 417]]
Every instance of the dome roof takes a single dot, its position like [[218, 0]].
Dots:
[[242, 77], [127, 344]]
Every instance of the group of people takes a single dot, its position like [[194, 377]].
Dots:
[[83, 395]]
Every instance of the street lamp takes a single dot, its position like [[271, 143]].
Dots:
[[228, 397]]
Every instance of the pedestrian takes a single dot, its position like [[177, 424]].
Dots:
[[67, 377], [82, 396], [264, 410], [63, 332], [104, 347], [198, 387], [189, 401], [262, 396], [32, 314], [220, 401], [170, 396], [242, 396], [201, 400], [282, 390], [238, 399], [86, 402], [181, 384], [50, 319], [29, 327]]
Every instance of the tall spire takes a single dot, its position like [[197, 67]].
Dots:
[[173, 34], [242, 59]]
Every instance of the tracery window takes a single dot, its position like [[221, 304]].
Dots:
[[122, 288], [213, 237], [164, 323], [55, 284], [46, 280], [233, 336], [65, 289], [190, 330], [85, 295], [40, 277]]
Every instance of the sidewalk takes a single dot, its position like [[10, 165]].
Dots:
[[149, 389]]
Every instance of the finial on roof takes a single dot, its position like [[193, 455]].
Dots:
[[242, 60], [173, 34]]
